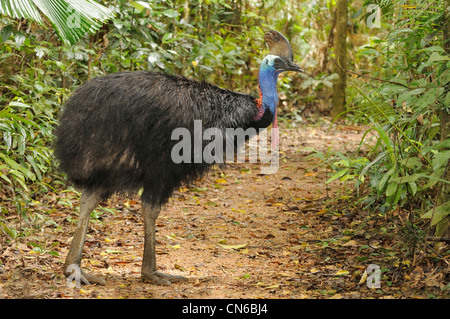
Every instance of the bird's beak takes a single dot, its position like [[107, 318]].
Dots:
[[294, 67]]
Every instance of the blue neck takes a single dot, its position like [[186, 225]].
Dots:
[[268, 77]]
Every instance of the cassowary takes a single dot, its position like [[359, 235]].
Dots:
[[114, 135]]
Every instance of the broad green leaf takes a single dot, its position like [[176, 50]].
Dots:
[[437, 57], [440, 160], [170, 13], [447, 99], [405, 179], [140, 5], [434, 178], [168, 38], [20, 104], [413, 187], [407, 96], [339, 174], [428, 98], [19, 178], [443, 79], [437, 146], [19, 119], [343, 162], [40, 51], [19, 168], [434, 48], [53, 253], [7, 138], [386, 141], [5, 33], [19, 39], [391, 188], [366, 168], [385, 178], [10, 231], [5, 177], [400, 31], [347, 177], [412, 162], [438, 213], [35, 166]]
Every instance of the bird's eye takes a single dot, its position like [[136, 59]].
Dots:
[[278, 62]]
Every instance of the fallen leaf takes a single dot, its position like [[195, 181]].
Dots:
[[310, 174], [290, 213], [272, 287], [419, 118], [211, 203], [221, 181], [259, 283], [341, 272], [363, 278], [435, 281], [112, 251], [244, 251], [192, 201], [351, 243], [233, 246], [179, 267]]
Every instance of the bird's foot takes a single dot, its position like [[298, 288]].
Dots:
[[79, 276], [159, 278]]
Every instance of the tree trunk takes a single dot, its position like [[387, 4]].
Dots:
[[237, 12], [338, 100]]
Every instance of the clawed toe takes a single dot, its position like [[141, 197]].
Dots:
[[74, 273], [160, 278]]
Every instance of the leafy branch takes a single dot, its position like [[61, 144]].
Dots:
[[390, 122], [366, 76]]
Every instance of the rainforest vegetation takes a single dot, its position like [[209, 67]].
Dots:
[[381, 67]]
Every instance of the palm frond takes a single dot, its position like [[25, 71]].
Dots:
[[72, 19], [20, 9]]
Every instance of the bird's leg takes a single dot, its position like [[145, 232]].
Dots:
[[89, 200], [149, 272]]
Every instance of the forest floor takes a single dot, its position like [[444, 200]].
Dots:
[[235, 234]]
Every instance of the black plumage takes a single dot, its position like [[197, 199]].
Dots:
[[115, 131], [115, 135]]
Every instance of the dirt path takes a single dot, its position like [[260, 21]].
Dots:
[[235, 234]]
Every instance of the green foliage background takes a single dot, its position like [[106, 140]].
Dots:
[[404, 98]]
